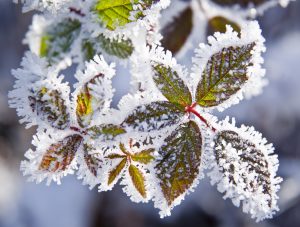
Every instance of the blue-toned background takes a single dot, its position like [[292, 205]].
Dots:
[[276, 113]]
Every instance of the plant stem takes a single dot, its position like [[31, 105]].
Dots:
[[190, 109]]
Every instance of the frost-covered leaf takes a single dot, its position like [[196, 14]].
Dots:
[[218, 24], [120, 48], [171, 85], [58, 39], [113, 174], [138, 180], [92, 162], [245, 170], [177, 31], [87, 104], [144, 157], [224, 75], [50, 106], [60, 155], [154, 116], [180, 160], [107, 131], [242, 3]]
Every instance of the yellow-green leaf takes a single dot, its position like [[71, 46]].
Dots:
[[224, 75], [114, 13], [116, 171], [60, 155], [181, 157], [171, 85], [144, 157], [138, 180], [108, 131]]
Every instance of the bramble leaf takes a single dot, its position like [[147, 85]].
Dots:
[[113, 174], [181, 158], [144, 157], [91, 162], [51, 107], [224, 75], [59, 38], [60, 155], [87, 104], [218, 24], [171, 85], [108, 131], [138, 180], [154, 116], [245, 166], [119, 48], [177, 31], [88, 49]]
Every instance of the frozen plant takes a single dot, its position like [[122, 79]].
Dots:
[[162, 138]]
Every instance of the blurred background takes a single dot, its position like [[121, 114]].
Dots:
[[276, 113]]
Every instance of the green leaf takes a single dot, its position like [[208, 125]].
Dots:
[[138, 180], [58, 39], [51, 107], [242, 3], [177, 31], [154, 116], [252, 159], [60, 155], [108, 131], [88, 50], [115, 156], [218, 24], [181, 158], [114, 13], [119, 48], [87, 104], [116, 171], [224, 75], [144, 157], [172, 86], [91, 161]]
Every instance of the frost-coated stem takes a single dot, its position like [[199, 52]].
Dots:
[[190, 109]]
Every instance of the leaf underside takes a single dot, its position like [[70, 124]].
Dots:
[[51, 107], [254, 158], [171, 85], [177, 32], [87, 105], [59, 156], [224, 75], [138, 180], [154, 116], [218, 24], [181, 158], [119, 48]]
